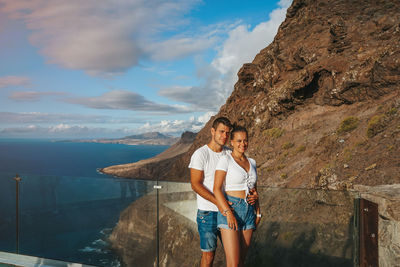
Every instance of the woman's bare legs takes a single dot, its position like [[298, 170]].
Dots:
[[245, 239], [230, 240]]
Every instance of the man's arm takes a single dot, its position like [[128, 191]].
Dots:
[[196, 180]]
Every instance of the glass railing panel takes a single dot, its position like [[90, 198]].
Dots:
[[134, 238], [303, 227], [113, 221], [75, 219], [7, 213], [178, 236], [299, 227]]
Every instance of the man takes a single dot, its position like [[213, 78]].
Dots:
[[202, 168]]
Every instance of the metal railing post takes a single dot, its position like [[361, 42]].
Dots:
[[157, 187], [17, 180]]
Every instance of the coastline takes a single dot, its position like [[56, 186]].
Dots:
[[150, 168]]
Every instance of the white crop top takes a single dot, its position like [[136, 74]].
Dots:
[[237, 178]]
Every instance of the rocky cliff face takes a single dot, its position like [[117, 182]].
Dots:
[[321, 102]]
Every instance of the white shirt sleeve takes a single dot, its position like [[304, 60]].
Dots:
[[253, 175], [253, 163], [197, 161], [222, 164]]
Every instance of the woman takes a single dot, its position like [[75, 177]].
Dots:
[[237, 221]]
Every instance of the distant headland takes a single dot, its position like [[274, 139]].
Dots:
[[150, 138]]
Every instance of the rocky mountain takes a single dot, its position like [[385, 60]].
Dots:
[[321, 102], [153, 167]]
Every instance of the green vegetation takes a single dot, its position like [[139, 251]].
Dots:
[[300, 149], [348, 125], [376, 125], [391, 111], [347, 154], [287, 145], [270, 169], [274, 133], [280, 166], [283, 156], [284, 175], [361, 143]]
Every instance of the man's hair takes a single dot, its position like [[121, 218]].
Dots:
[[238, 129], [222, 120]]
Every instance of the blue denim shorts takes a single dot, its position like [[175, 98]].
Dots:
[[208, 230], [244, 214]]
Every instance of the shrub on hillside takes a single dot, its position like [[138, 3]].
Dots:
[[348, 125], [274, 133], [376, 125]]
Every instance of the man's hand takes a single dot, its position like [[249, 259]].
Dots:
[[252, 197]]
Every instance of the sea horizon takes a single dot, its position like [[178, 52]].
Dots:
[[67, 208], [49, 156]]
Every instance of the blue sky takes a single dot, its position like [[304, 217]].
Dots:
[[90, 69]]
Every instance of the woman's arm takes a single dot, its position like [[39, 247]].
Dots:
[[257, 207], [222, 203]]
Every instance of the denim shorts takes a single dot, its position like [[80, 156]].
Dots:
[[244, 214], [208, 230]]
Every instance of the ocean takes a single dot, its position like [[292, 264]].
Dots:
[[66, 209]]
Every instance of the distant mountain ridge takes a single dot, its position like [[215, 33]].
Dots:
[[150, 138], [149, 135], [153, 167]]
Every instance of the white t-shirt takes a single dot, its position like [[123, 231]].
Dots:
[[237, 178], [205, 159]]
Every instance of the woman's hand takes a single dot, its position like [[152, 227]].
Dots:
[[225, 211], [230, 218]]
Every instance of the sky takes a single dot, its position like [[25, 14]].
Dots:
[[108, 69]]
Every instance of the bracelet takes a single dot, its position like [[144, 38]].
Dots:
[[226, 211], [259, 215]]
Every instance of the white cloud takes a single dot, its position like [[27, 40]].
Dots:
[[63, 131], [219, 77], [75, 129], [31, 96], [178, 48], [125, 100], [8, 81], [100, 37], [177, 126], [47, 118], [205, 117]]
